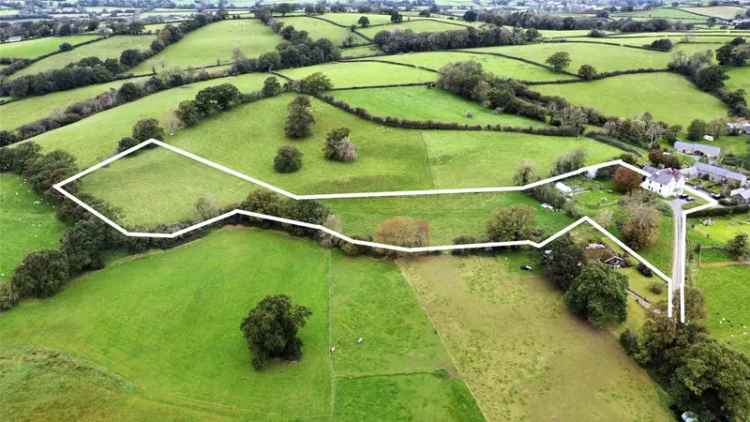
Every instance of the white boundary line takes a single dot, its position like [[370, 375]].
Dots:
[[252, 180]]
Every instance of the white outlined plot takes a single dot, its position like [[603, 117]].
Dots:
[[681, 260]]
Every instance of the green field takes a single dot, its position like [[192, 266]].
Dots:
[[632, 95], [721, 12], [195, 359], [552, 33], [317, 28], [726, 290], [604, 58], [105, 49], [29, 109], [389, 159], [95, 138], [349, 19], [37, 47], [739, 78], [719, 230], [662, 13], [26, 224], [213, 44], [499, 66], [361, 51], [422, 103], [448, 216], [416, 25], [519, 349], [354, 74]]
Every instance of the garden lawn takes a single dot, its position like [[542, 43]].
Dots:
[[194, 356], [416, 25], [95, 138], [27, 224], [524, 356], [448, 216], [30, 109], [34, 48], [721, 230], [422, 103], [105, 49], [500, 66], [357, 74], [317, 28], [214, 44], [605, 58], [726, 291], [632, 95], [348, 19]]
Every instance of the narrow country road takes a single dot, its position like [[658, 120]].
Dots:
[[679, 255]]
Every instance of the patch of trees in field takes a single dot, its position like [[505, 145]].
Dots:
[[408, 41]]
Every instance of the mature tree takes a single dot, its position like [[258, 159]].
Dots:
[[41, 274], [188, 113], [299, 120], [339, 146], [696, 130], [569, 162], [587, 72], [562, 262], [269, 61], [525, 174], [271, 87], [641, 225], [129, 92], [403, 231], [626, 180], [570, 116], [466, 79], [516, 222], [712, 381], [85, 243], [470, 16], [45, 170], [396, 17], [215, 99], [130, 58], [271, 328], [315, 83], [65, 46], [710, 78], [288, 160], [148, 129], [663, 44], [738, 248], [7, 138], [364, 21], [599, 294], [559, 61]]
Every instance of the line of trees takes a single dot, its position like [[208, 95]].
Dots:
[[393, 42], [529, 19]]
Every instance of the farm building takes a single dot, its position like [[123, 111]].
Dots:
[[708, 151], [740, 126], [741, 195], [667, 183], [715, 174]]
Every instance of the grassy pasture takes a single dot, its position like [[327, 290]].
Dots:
[[553, 33], [212, 44], [499, 66], [95, 138], [720, 230], [631, 95], [29, 109], [105, 49], [448, 216], [721, 12], [519, 349], [34, 48], [354, 52], [726, 290], [416, 25], [354, 74], [196, 358], [349, 19], [321, 29], [422, 103], [389, 159], [739, 78], [603, 57], [26, 224], [662, 13]]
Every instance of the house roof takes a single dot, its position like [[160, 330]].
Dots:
[[744, 193], [720, 171], [705, 149], [666, 176], [650, 170]]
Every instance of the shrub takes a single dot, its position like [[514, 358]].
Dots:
[[188, 113], [7, 138], [630, 343], [645, 270], [599, 294], [559, 61], [65, 46], [288, 160], [8, 296], [126, 143], [315, 84], [41, 274], [147, 129], [656, 287], [271, 87], [511, 223], [299, 120], [339, 147], [403, 231], [587, 72]]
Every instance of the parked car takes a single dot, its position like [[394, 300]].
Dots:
[[527, 267]]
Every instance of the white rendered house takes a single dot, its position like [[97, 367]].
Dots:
[[667, 183]]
